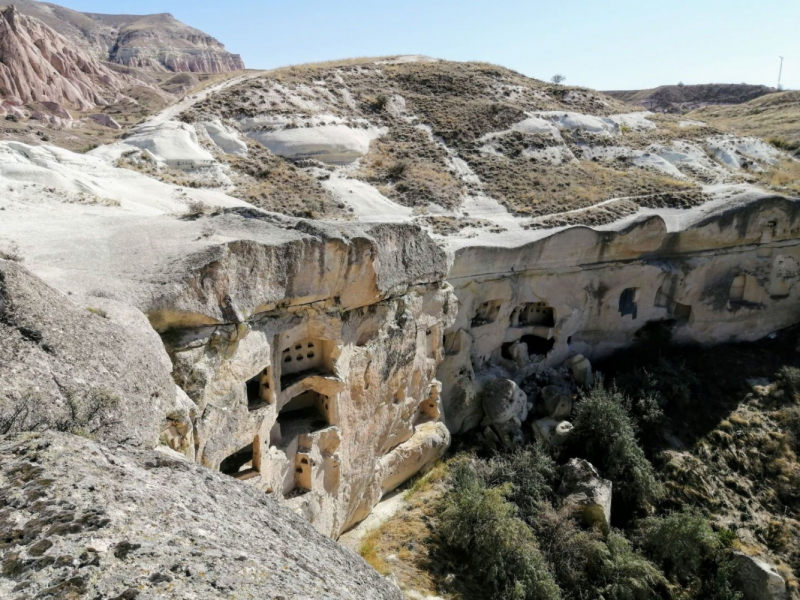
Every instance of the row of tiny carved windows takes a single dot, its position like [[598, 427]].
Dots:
[[299, 357]]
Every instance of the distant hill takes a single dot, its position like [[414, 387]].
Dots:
[[681, 98], [775, 117], [152, 42]]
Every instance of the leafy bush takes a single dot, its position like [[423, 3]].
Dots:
[[497, 546], [668, 383], [531, 473], [604, 433], [624, 574], [691, 553], [679, 542], [586, 566]]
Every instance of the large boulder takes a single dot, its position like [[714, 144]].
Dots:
[[759, 580], [581, 370], [503, 401], [97, 368], [587, 493], [505, 407], [84, 520], [556, 401]]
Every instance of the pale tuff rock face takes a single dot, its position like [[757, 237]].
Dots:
[[162, 43], [90, 520], [725, 275], [325, 363], [99, 369], [38, 64], [326, 402]]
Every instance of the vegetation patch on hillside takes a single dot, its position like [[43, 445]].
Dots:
[[701, 448]]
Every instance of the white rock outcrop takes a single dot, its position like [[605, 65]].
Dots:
[[727, 271], [759, 580], [335, 144], [588, 494]]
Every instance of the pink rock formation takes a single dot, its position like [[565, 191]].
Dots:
[[39, 65]]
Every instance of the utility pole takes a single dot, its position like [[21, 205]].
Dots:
[[780, 72]]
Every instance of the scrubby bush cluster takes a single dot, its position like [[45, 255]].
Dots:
[[504, 517], [606, 435], [87, 412]]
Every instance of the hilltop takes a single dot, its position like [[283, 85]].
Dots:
[[681, 98]]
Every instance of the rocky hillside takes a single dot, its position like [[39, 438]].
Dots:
[[411, 137], [458, 246], [39, 65], [775, 118], [681, 98], [80, 519], [152, 42]]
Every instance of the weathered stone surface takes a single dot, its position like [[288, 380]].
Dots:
[[727, 272], [551, 431], [38, 64], [156, 42], [581, 371], [59, 362], [503, 401], [587, 492], [93, 521], [105, 120], [556, 401], [759, 580]]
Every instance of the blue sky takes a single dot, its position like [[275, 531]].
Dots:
[[612, 44]]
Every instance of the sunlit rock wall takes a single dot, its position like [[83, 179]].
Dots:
[[318, 381], [727, 276]]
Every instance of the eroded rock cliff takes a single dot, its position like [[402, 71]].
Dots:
[[151, 42], [38, 64]]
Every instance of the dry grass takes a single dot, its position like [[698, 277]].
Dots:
[[775, 117], [408, 167], [274, 184], [405, 545], [783, 178], [538, 190]]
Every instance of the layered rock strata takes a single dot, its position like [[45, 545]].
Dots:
[[39, 65]]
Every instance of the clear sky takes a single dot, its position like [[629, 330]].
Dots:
[[603, 44]]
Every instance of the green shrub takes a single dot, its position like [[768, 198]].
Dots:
[[788, 379], [587, 566], [624, 574], [497, 546], [532, 474], [604, 434], [720, 586], [668, 383], [567, 548], [679, 542]]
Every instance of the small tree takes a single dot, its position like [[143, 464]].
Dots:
[[558, 79]]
